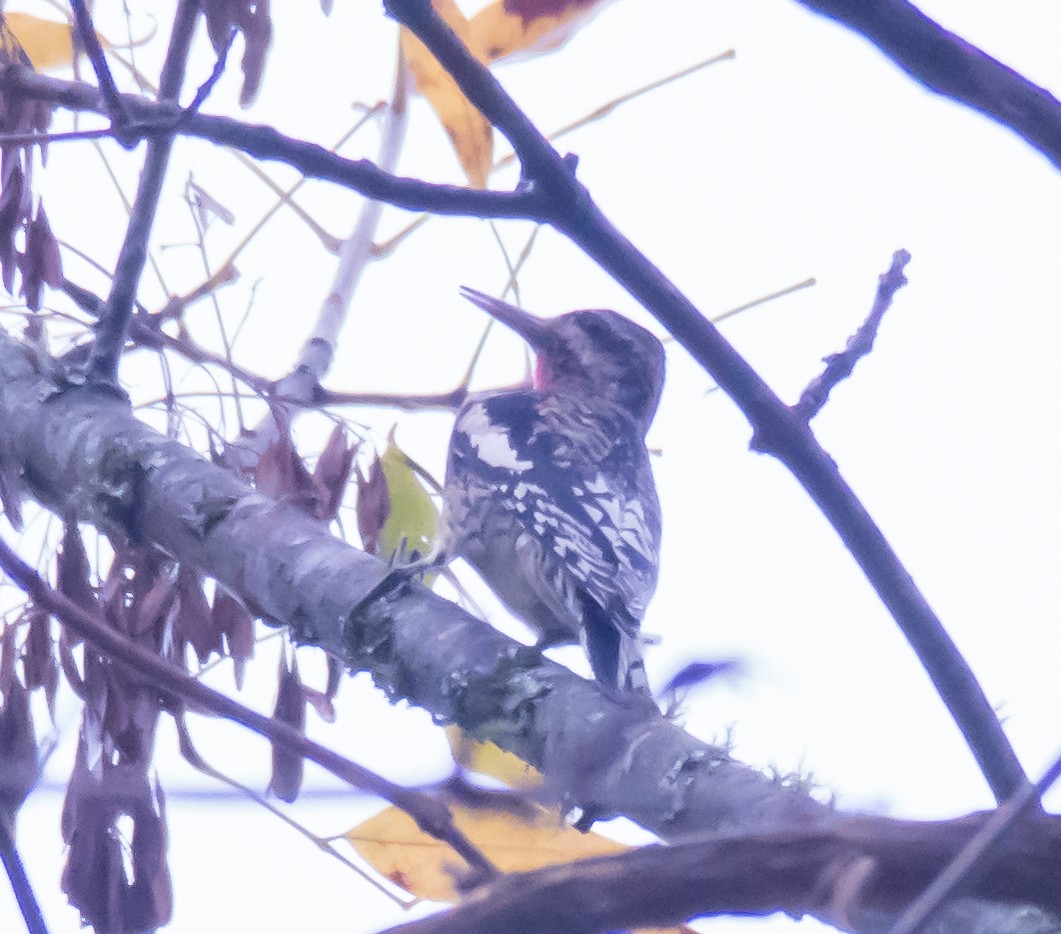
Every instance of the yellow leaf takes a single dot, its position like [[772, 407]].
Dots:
[[47, 44], [490, 759], [499, 33], [396, 848], [412, 522], [471, 133]]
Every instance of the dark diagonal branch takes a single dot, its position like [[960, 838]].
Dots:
[[853, 874], [20, 885], [86, 33], [777, 428], [839, 366], [953, 67], [149, 119], [432, 816], [114, 324], [980, 854]]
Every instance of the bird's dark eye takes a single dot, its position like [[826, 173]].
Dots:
[[593, 327]]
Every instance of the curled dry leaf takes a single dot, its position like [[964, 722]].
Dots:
[[332, 473], [194, 621], [235, 623], [39, 663], [72, 569], [206, 206], [290, 708], [373, 506], [95, 878], [497, 31], [321, 702], [14, 213], [19, 768], [251, 17], [282, 474], [40, 263], [505, 27], [471, 133]]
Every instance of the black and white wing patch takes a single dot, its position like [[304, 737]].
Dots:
[[600, 520]]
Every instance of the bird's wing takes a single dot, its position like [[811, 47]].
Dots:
[[592, 515]]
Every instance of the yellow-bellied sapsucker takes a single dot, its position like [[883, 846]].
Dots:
[[549, 494]]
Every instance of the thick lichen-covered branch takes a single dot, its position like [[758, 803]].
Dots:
[[81, 450]]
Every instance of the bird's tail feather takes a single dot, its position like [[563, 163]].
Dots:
[[614, 655]]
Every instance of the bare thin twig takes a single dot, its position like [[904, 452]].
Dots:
[[152, 119], [762, 300], [195, 759], [94, 50], [447, 401], [430, 814], [203, 92], [839, 366], [114, 325]]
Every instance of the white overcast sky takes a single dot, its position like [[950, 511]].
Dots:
[[808, 155]]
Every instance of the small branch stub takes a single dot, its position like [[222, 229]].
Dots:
[[839, 366]]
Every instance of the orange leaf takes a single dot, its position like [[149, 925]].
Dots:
[[470, 131], [396, 848], [47, 44], [533, 26]]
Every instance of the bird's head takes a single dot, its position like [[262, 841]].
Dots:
[[595, 352]]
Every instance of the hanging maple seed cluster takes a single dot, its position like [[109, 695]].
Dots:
[[38, 262]]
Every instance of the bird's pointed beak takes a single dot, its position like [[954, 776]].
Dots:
[[534, 331]]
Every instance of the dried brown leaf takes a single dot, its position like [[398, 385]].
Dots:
[[194, 622], [39, 663], [41, 263], [95, 879], [19, 767], [506, 27], [332, 473], [72, 569], [251, 17], [235, 622], [14, 196], [290, 708], [470, 132], [282, 474], [373, 505]]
